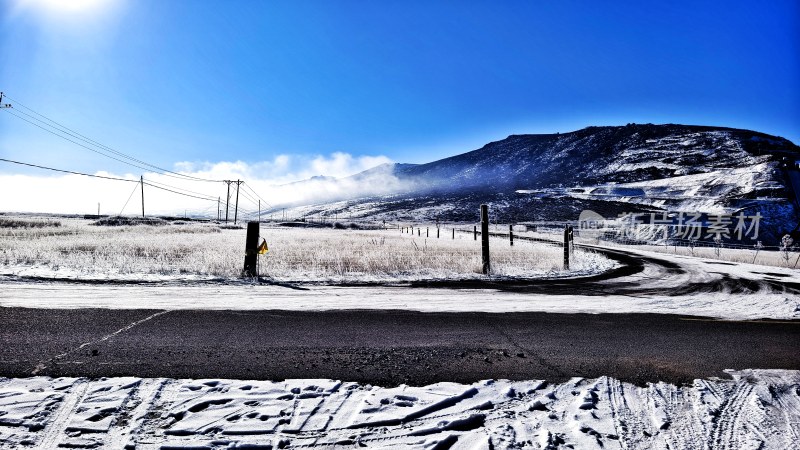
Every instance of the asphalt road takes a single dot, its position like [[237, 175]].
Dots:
[[385, 347]]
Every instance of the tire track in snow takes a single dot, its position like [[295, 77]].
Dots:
[[790, 407], [142, 400], [682, 428], [724, 435], [755, 408], [54, 431], [627, 424]]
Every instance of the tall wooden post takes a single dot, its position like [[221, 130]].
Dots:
[[511, 235], [566, 247], [228, 200], [474, 232], [485, 239], [251, 250], [141, 180], [571, 241], [236, 211], [427, 231]]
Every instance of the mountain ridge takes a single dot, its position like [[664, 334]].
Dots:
[[610, 169]]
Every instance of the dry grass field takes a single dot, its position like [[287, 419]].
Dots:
[[78, 248]]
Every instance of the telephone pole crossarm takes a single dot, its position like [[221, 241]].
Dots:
[[6, 105]]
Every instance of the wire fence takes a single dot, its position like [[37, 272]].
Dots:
[[372, 247], [787, 254]]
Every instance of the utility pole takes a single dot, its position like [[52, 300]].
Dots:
[[236, 211], [227, 199], [141, 180], [218, 210], [98, 210], [259, 211]]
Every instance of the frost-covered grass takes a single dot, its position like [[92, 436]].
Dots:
[[23, 223], [388, 254], [82, 250]]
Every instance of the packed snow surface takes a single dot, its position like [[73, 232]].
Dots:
[[328, 298], [756, 409]]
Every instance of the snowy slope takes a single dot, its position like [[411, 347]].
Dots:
[[611, 170], [597, 155]]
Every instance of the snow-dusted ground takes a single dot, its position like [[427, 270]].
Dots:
[[320, 298], [654, 290], [77, 250], [757, 409]]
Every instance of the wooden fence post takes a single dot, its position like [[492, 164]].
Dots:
[[251, 250], [571, 241], [427, 231], [511, 235], [454, 233], [485, 239], [566, 247], [474, 232]]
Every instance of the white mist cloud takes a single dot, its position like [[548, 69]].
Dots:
[[286, 168], [285, 180]]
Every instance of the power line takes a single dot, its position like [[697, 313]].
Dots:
[[67, 171], [147, 183], [259, 197], [105, 178], [57, 129], [64, 129], [248, 197], [80, 136], [129, 199], [74, 142], [165, 185]]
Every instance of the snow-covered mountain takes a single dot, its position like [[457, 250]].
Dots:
[[611, 170]]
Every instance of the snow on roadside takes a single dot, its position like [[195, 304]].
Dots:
[[755, 409], [722, 305], [672, 284]]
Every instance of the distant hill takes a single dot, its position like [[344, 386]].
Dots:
[[608, 169]]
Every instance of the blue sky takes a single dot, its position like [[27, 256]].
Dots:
[[414, 81]]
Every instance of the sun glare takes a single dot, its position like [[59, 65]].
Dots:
[[75, 6]]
